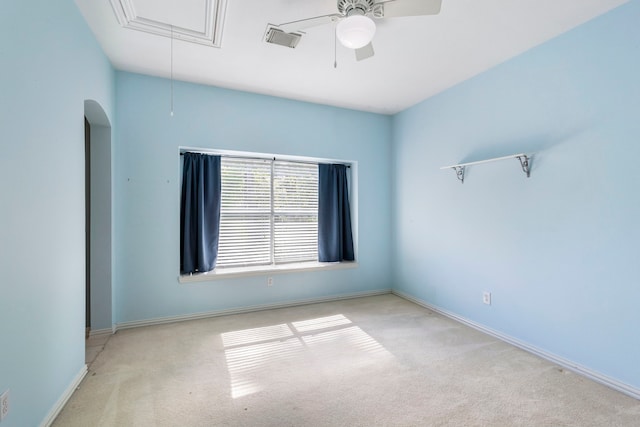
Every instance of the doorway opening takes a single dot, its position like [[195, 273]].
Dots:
[[98, 213]]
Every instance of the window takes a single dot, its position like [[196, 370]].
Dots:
[[263, 215], [269, 212]]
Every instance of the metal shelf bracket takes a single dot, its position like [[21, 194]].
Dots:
[[459, 172], [524, 162]]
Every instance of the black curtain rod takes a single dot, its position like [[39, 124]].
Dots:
[[261, 158]]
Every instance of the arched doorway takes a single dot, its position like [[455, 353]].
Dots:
[[99, 305]]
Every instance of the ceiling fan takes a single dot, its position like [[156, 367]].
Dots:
[[355, 28]]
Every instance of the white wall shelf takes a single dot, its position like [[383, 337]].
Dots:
[[523, 158]]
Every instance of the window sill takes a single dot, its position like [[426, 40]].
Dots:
[[228, 273]]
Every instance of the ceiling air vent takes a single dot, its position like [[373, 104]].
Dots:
[[281, 38]]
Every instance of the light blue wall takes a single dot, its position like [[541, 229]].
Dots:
[[147, 191], [50, 64], [558, 251]]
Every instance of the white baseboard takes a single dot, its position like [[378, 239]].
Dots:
[[100, 332], [565, 363], [216, 313], [64, 398]]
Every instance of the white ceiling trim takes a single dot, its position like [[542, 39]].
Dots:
[[215, 12]]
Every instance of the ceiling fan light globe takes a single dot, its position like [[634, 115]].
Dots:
[[356, 31]]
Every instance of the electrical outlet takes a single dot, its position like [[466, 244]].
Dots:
[[270, 281], [486, 298], [4, 405]]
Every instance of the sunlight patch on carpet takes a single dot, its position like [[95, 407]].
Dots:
[[252, 353]]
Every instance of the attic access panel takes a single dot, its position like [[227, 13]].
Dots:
[[197, 21]]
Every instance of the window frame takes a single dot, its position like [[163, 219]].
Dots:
[[268, 270]]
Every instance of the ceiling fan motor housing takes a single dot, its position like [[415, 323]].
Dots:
[[354, 7]]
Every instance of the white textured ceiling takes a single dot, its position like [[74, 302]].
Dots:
[[416, 57]]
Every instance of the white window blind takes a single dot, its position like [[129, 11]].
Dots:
[[245, 224], [295, 209], [269, 212]]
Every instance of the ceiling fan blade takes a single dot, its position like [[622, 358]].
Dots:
[[397, 8], [364, 52], [302, 24]]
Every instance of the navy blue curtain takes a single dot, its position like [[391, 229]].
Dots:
[[335, 242], [200, 213]]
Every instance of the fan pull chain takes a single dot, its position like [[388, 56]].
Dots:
[[335, 47], [172, 71]]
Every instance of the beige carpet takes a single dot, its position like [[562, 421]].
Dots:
[[378, 361]]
